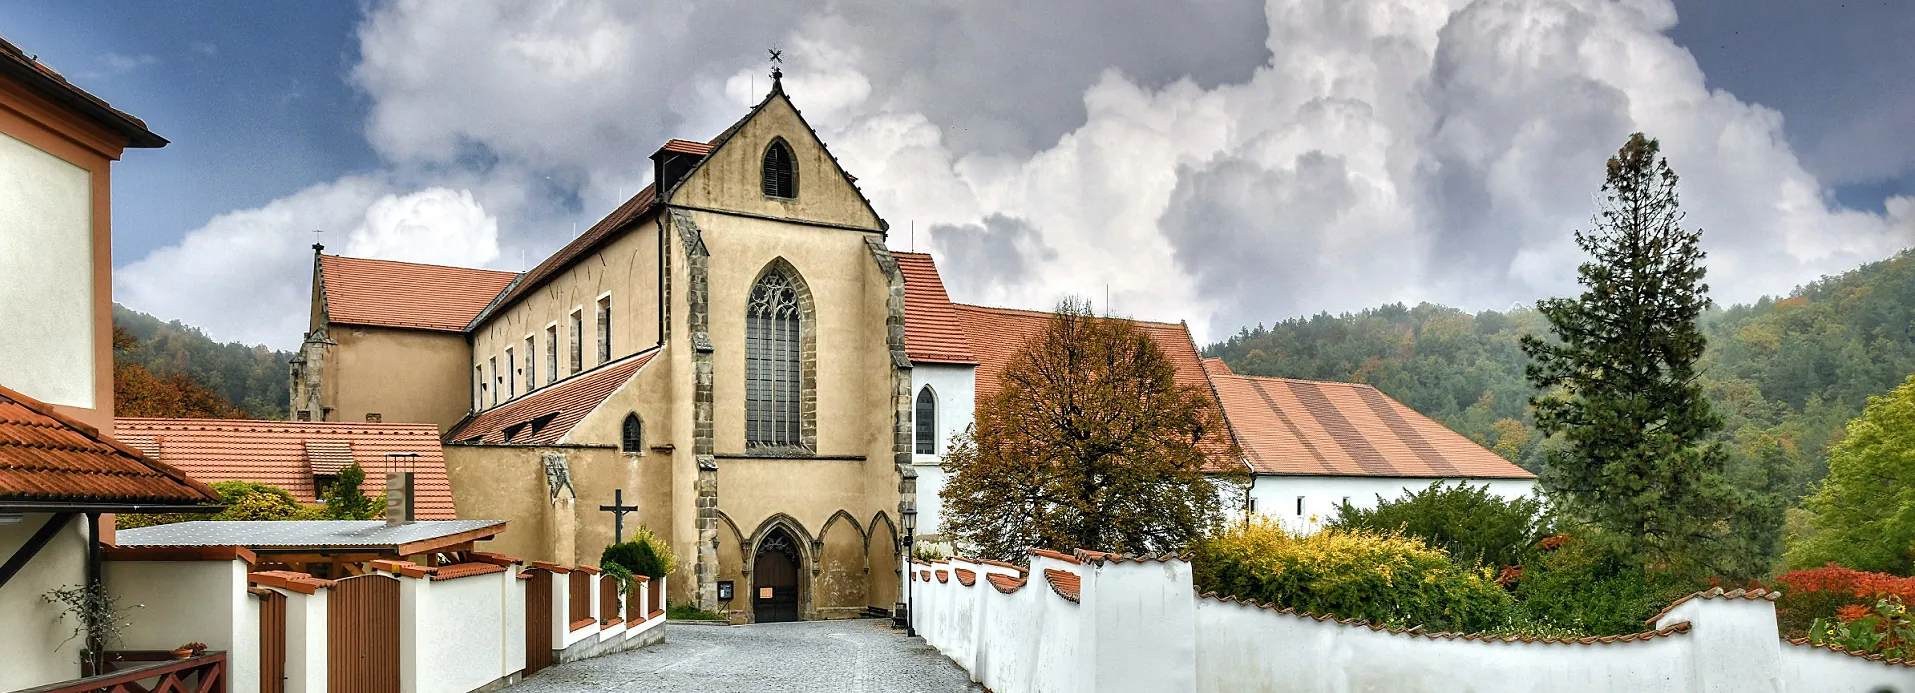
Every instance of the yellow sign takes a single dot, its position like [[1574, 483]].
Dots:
[[764, 593]]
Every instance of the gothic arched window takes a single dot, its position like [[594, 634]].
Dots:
[[926, 422], [780, 171], [774, 374], [629, 439]]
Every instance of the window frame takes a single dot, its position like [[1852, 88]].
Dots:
[[576, 331], [631, 441], [603, 316], [790, 183], [923, 444], [552, 353], [531, 363], [494, 361], [511, 378], [780, 364]]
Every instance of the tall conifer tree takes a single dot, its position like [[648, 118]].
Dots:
[[1641, 465]]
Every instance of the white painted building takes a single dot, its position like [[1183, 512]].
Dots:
[[1312, 446]]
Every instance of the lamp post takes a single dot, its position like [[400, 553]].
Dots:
[[910, 516]]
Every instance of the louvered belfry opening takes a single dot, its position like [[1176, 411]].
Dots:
[[781, 174], [773, 369]]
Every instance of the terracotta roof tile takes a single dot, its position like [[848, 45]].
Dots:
[[1047, 553], [1216, 366], [49, 83], [1717, 593], [944, 576], [47, 457], [1005, 583], [279, 453], [1065, 583], [387, 293], [1862, 654], [288, 580], [1346, 429], [687, 147], [559, 407], [932, 331], [965, 577]]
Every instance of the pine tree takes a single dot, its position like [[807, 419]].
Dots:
[[1640, 465]]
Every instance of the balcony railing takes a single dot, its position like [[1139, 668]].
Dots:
[[205, 673]]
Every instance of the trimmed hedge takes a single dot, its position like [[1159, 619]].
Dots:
[[1382, 578]]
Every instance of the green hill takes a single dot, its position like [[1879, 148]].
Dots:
[[254, 378], [1788, 372]]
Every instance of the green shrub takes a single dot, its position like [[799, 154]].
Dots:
[[645, 555], [688, 612], [345, 500], [1383, 578], [1585, 589], [1469, 523], [244, 500]]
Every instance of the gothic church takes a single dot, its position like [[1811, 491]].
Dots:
[[726, 348]]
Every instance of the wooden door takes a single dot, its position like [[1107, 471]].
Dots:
[[774, 575], [272, 641], [538, 620], [362, 626]]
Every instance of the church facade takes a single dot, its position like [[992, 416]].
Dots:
[[725, 351]]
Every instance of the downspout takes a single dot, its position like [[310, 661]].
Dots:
[[95, 636]]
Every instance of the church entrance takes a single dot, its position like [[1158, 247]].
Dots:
[[774, 575]]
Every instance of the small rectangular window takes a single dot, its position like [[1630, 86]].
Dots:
[[1253, 504], [605, 329], [551, 354], [577, 347], [305, 415], [1299, 506], [494, 361], [511, 375], [375, 417], [478, 387], [531, 364]]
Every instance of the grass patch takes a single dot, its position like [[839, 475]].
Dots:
[[687, 612]]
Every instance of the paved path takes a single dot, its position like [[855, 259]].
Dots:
[[862, 656]]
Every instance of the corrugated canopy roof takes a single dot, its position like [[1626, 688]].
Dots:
[[46, 457], [282, 454], [297, 534]]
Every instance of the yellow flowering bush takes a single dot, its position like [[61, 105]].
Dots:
[[1379, 577]]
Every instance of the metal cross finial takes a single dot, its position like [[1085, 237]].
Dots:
[[777, 56], [316, 245]]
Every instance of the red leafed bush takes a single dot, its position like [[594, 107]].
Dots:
[[1824, 592]]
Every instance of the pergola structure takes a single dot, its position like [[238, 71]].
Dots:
[[322, 548]]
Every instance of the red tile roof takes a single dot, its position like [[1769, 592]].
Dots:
[[1065, 583], [37, 75], [1346, 429], [1005, 583], [279, 453], [1216, 366], [932, 331], [566, 403], [47, 457], [387, 293], [998, 335], [687, 147]]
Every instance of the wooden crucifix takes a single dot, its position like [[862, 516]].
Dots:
[[618, 508]]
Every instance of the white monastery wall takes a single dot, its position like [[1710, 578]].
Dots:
[[1276, 496], [46, 255], [955, 388], [1137, 625], [171, 603], [35, 643]]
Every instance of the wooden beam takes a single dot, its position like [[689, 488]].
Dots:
[[39, 540]]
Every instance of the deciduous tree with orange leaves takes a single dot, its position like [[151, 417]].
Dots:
[[140, 392], [1090, 443]]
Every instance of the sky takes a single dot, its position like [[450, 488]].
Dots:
[[1223, 162]]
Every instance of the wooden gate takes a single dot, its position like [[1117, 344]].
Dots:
[[362, 635], [538, 620], [272, 641]]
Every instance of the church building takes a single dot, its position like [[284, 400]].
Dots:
[[725, 352]]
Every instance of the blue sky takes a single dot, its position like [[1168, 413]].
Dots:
[[479, 133]]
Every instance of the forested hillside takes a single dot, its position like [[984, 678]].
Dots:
[[252, 378], [1786, 374]]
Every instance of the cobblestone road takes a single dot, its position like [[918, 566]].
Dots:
[[862, 656]]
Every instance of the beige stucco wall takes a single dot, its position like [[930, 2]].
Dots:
[[406, 376], [730, 177], [626, 268], [35, 634]]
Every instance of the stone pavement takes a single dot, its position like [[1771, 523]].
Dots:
[[860, 656]]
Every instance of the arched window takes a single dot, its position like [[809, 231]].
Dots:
[[773, 369], [781, 172], [629, 439], [926, 421]]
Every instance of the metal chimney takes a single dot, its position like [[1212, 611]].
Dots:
[[399, 500]]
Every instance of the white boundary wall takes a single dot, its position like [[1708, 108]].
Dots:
[[1137, 625], [173, 602]]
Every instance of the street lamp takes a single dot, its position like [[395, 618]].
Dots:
[[910, 516]]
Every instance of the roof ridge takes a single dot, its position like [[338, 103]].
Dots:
[[416, 264], [1290, 379], [1030, 311]]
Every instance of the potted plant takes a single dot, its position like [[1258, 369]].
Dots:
[[191, 649]]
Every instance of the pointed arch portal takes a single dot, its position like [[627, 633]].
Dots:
[[775, 577]]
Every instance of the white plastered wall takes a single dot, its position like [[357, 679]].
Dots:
[[1276, 496], [46, 257], [33, 633], [172, 603], [955, 387]]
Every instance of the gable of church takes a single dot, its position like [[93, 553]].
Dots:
[[732, 177]]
